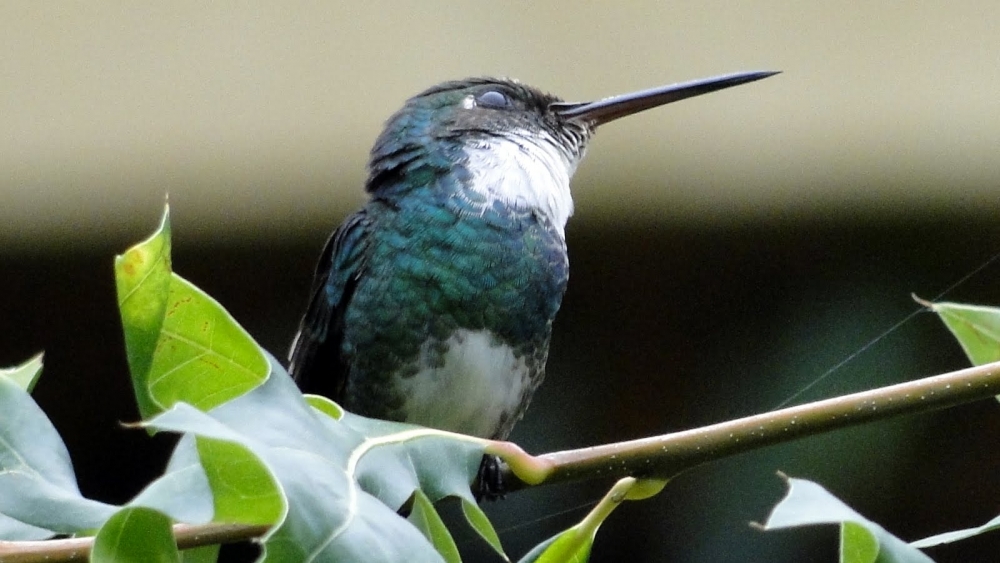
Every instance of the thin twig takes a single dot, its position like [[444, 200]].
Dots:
[[667, 455], [78, 549]]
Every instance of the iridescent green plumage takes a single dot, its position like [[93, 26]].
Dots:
[[434, 303], [433, 259]]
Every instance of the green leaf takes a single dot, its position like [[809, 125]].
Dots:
[[142, 278], [330, 482], [183, 491], [206, 554], [182, 345], [574, 544], [566, 547], [25, 375], [15, 530], [325, 406], [482, 525], [427, 520], [135, 535], [857, 544], [342, 480], [36, 475], [976, 328], [862, 541], [245, 490], [957, 535], [391, 471], [203, 357]]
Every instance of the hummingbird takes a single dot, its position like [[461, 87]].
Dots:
[[433, 304]]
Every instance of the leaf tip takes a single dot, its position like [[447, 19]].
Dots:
[[923, 302], [325, 406], [25, 375], [643, 489]]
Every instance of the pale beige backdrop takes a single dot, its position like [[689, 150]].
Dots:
[[257, 118]]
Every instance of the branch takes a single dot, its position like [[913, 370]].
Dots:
[[656, 457], [78, 549], [667, 455]]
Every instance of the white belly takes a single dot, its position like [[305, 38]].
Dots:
[[480, 385]]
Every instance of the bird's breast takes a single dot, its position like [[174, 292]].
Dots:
[[449, 325], [478, 386]]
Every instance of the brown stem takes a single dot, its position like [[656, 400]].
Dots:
[[78, 549], [667, 455]]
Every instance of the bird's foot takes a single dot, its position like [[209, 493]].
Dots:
[[489, 481]]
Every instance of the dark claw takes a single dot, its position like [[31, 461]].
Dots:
[[489, 481]]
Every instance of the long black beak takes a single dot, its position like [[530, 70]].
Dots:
[[610, 109]]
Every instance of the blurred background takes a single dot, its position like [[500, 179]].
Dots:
[[726, 251]]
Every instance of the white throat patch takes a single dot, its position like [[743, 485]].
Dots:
[[524, 171]]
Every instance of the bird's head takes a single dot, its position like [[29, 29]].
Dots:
[[520, 142]]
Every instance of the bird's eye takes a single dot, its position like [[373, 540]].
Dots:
[[492, 99]]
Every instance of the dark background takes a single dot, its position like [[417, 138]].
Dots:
[[662, 329], [725, 253]]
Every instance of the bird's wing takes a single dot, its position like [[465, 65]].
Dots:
[[315, 360]]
